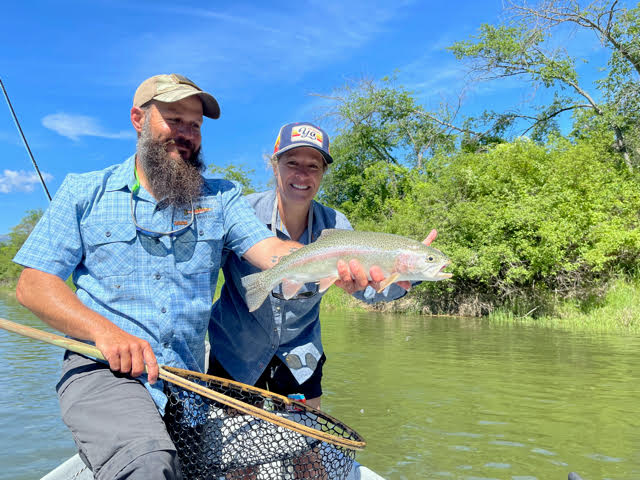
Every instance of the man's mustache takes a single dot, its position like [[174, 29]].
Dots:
[[180, 142]]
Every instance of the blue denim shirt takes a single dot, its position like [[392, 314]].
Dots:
[[161, 289], [244, 342]]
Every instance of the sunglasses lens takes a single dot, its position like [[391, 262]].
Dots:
[[153, 233]]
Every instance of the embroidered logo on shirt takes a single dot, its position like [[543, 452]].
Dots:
[[197, 210]]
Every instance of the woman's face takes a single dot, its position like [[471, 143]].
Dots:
[[299, 174]]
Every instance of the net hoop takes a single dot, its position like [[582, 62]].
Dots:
[[349, 439]]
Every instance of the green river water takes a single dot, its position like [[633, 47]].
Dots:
[[435, 398]]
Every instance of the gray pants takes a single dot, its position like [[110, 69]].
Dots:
[[115, 423]]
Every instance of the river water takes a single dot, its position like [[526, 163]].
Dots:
[[435, 398]]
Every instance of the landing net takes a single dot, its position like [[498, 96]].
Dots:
[[215, 441]]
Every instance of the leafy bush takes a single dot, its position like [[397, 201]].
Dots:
[[524, 224]]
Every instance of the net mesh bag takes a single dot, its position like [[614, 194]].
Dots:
[[215, 441]]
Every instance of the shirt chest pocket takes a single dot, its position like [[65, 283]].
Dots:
[[109, 248], [199, 250]]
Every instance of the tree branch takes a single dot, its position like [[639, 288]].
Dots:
[[555, 17], [546, 118]]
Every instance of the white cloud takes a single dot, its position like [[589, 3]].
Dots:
[[76, 126], [20, 181]]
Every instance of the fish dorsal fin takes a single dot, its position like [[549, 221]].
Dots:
[[328, 232]]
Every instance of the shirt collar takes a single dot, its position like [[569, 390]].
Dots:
[[280, 226], [123, 176]]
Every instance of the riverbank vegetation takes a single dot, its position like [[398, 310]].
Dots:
[[616, 311], [538, 206]]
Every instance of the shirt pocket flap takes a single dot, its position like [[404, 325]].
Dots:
[[101, 233], [109, 248]]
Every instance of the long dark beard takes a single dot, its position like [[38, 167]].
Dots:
[[171, 182]]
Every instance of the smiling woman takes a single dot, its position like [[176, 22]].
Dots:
[[285, 354], [298, 175]]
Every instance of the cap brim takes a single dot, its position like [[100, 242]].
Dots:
[[210, 107], [327, 157]]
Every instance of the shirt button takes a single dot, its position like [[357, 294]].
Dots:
[[201, 232], [157, 275], [108, 234], [163, 310]]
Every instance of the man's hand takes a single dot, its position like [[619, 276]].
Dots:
[[353, 277], [127, 353], [51, 299]]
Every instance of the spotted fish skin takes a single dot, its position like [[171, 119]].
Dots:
[[400, 258]]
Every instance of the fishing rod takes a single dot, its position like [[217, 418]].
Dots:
[[24, 140]]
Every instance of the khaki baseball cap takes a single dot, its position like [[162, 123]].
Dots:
[[172, 88]]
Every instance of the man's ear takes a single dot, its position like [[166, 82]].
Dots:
[[137, 118]]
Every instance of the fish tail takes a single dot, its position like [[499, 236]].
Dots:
[[257, 289]]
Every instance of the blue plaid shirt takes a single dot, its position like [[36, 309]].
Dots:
[[161, 289], [245, 342]]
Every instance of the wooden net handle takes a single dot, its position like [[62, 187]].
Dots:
[[89, 350]]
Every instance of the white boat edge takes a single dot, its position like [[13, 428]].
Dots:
[[75, 469]]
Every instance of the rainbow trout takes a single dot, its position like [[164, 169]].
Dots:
[[400, 258]]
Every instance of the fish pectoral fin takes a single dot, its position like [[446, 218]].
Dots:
[[388, 281], [290, 288], [326, 283]]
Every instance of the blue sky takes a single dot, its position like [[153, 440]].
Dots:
[[71, 68]]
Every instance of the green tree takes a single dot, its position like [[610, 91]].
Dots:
[[239, 174], [382, 135], [9, 271], [520, 48]]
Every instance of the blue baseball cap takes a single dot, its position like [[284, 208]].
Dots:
[[302, 134]]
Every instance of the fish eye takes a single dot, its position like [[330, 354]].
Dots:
[[430, 258]]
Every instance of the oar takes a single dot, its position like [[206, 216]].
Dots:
[[91, 351]]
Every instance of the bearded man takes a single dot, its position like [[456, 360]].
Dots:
[[142, 241]]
